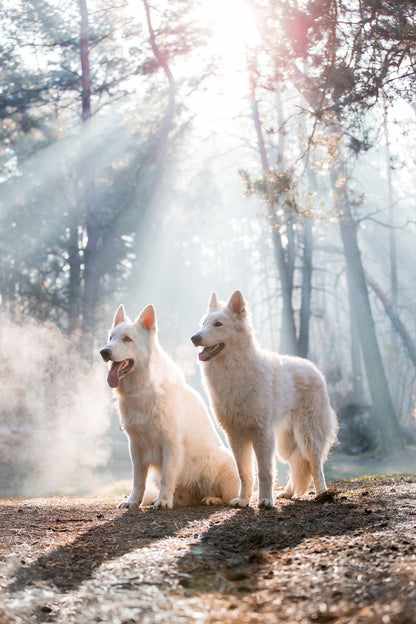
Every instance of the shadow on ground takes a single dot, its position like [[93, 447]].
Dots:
[[241, 545], [351, 555], [69, 565]]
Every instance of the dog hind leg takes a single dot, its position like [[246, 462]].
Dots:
[[300, 475], [318, 476], [168, 479], [285, 446], [226, 485], [288, 491]]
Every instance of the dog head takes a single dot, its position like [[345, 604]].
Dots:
[[129, 344], [224, 325]]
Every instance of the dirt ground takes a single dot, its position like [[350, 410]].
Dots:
[[350, 557]]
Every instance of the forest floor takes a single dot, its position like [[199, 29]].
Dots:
[[347, 558]]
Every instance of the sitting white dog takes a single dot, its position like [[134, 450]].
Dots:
[[166, 421]]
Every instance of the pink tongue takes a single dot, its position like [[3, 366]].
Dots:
[[113, 375], [204, 354]]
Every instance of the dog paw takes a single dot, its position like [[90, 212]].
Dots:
[[266, 503], [239, 502], [127, 504], [212, 500], [161, 503], [285, 494]]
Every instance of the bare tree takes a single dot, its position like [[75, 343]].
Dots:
[[391, 434], [91, 273], [293, 341]]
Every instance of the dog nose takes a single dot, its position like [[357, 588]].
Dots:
[[105, 354], [196, 339]]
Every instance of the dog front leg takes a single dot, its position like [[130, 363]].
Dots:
[[168, 480], [243, 452], [264, 445], [140, 471]]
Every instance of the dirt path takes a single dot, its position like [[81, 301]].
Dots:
[[350, 558]]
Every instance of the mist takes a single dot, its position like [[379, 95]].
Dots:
[[54, 413], [128, 208]]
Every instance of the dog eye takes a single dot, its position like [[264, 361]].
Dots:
[[218, 324], [127, 339]]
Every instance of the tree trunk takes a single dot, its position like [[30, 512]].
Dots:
[[91, 273], [391, 434], [307, 270], [288, 342], [85, 63], [305, 308], [357, 372], [390, 214], [397, 324], [74, 262]]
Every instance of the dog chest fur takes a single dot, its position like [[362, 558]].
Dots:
[[244, 396]]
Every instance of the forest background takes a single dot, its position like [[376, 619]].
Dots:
[[153, 152]]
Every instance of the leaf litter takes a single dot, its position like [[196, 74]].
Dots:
[[348, 556]]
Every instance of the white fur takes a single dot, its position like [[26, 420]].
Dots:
[[260, 397], [166, 422]]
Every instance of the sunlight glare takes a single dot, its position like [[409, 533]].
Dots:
[[233, 26], [233, 33]]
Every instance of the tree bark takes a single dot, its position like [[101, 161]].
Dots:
[[391, 435], [288, 341], [357, 372], [91, 273], [307, 270], [74, 262], [390, 213], [305, 307], [397, 324]]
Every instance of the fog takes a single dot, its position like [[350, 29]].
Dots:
[[196, 231], [59, 426], [54, 413]]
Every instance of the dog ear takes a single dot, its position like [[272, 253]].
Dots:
[[147, 318], [236, 303], [120, 315], [214, 304]]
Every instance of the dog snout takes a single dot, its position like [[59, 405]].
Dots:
[[105, 354], [196, 339]]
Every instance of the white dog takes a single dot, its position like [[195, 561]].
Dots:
[[167, 423], [257, 395]]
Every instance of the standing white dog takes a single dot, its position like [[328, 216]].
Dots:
[[257, 395], [167, 423]]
